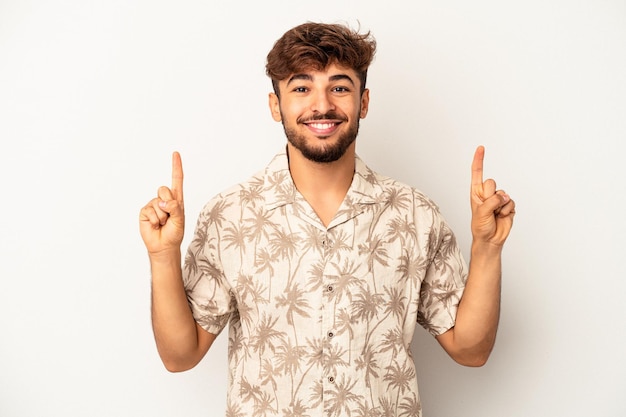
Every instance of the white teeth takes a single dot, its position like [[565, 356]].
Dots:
[[322, 125]]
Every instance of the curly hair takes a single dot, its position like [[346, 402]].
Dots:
[[315, 46]]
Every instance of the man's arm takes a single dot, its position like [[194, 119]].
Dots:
[[472, 338], [181, 342]]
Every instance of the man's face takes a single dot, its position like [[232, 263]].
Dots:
[[320, 111]]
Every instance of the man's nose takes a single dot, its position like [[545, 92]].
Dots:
[[322, 102]]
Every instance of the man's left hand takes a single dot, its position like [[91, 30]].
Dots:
[[492, 209]]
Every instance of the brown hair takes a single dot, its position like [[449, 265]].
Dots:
[[316, 46]]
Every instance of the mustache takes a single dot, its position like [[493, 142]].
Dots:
[[330, 115]]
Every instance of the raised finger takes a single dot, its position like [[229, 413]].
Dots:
[[477, 167], [177, 177]]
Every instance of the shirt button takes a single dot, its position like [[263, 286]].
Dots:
[[331, 379], [331, 335], [330, 288]]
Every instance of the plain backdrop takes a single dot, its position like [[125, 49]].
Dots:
[[95, 95]]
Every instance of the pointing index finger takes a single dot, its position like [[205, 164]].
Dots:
[[177, 176], [477, 167]]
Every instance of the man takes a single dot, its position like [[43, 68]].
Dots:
[[321, 266]]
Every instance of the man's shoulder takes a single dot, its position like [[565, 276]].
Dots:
[[250, 191], [236, 193], [396, 190], [386, 182]]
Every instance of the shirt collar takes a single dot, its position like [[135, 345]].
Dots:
[[280, 190]]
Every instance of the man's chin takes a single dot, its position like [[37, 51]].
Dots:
[[322, 150], [322, 156]]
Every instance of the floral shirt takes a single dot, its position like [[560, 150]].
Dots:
[[321, 318]]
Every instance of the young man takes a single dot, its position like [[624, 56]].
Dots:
[[321, 266]]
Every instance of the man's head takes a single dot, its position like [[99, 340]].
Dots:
[[318, 72], [314, 46]]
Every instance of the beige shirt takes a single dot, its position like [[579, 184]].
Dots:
[[321, 318]]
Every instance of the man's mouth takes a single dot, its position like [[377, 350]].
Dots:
[[322, 128]]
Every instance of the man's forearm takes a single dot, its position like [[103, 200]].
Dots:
[[173, 324], [472, 338], [479, 310]]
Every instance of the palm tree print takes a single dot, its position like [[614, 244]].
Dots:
[[345, 278], [368, 362], [341, 396], [296, 409], [400, 377], [252, 291], [341, 242], [251, 194], [333, 358], [215, 216], [264, 405], [316, 276], [393, 340], [411, 406], [401, 228], [375, 250], [234, 410], [235, 237], [259, 223], [268, 376], [264, 261], [321, 317], [343, 324], [364, 410], [398, 199], [288, 360], [365, 308], [296, 302], [265, 336]]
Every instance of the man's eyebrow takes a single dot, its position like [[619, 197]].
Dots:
[[295, 77], [339, 77], [308, 77]]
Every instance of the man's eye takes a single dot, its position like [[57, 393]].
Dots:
[[340, 90], [300, 89]]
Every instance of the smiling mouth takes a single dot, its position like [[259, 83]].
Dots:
[[322, 126], [322, 129]]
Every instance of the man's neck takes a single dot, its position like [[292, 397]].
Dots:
[[323, 185]]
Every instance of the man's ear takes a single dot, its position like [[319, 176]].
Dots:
[[365, 102], [274, 103]]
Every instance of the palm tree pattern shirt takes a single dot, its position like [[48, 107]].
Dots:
[[321, 318]]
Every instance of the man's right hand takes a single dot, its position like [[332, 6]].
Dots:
[[181, 342], [162, 220]]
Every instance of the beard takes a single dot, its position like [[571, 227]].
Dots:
[[326, 152]]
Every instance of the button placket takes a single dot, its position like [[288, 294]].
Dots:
[[327, 289], [327, 242], [330, 334]]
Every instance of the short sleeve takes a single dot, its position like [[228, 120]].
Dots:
[[444, 280], [208, 291]]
